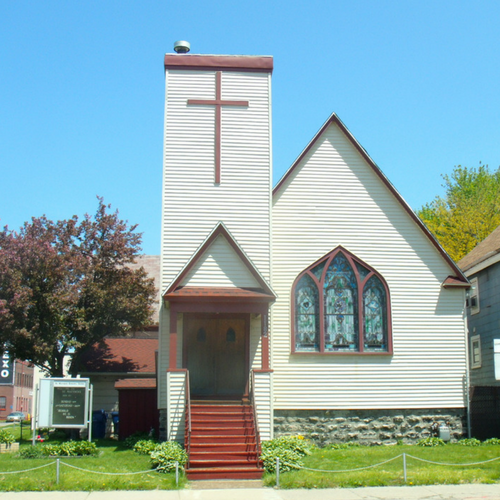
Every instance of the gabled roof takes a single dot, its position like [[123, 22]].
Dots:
[[219, 230], [334, 119], [483, 255], [121, 355]]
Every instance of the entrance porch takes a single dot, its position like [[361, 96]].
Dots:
[[218, 345]]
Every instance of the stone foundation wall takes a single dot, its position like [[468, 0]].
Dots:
[[368, 426]]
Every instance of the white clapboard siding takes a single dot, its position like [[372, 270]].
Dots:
[[263, 404], [176, 384], [192, 203], [163, 351], [221, 266], [333, 198]]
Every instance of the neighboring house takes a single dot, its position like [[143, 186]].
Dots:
[[125, 363], [482, 267], [326, 300], [16, 386]]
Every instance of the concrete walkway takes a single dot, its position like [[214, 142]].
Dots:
[[438, 492]]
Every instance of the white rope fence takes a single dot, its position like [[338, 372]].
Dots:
[[26, 470], [108, 473], [59, 463], [403, 455]]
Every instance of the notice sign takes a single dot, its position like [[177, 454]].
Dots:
[[68, 405], [63, 402]]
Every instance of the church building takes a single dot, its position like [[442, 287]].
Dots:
[[321, 307]]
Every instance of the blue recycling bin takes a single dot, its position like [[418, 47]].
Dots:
[[116, 422], [99, 418]]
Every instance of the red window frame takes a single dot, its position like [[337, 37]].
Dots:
[[352, 259]]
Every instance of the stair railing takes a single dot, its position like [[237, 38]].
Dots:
[[256, 422], [187, 419]]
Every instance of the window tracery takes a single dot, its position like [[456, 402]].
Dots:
[[341, 305]]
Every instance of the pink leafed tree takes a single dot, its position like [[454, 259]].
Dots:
[[66, 285]]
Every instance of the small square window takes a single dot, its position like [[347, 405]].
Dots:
[[3, 402], [475, 351]]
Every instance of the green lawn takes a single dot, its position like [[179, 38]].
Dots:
[[115, 458], [391, 474], [112, 458]]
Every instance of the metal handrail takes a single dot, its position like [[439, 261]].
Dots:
[[254, 408], [188, 417]]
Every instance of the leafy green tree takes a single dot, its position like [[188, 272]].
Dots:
[[66, 285], [469, 211]]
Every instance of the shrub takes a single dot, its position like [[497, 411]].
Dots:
[[165, 455], [145, 446], [85, 448], [470, 442], [31, 452], [6, 437], [289, 449], [491, 441], [67, 449], [431, 441], [53, 450], [134, 438]]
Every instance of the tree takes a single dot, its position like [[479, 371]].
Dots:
[[468, 213], [66, 285]]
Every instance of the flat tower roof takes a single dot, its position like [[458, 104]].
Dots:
[[215, 62]]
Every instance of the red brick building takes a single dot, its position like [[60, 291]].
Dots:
[[16, 387]]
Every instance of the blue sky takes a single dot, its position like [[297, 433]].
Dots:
[[82, 90]]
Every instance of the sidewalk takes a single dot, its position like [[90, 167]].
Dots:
[[438, 492]]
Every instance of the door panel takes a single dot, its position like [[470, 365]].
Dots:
[[201, 345], [230, 357], [215, 355]]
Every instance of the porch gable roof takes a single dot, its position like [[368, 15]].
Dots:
[[176, 290]]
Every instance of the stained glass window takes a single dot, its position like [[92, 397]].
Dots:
[[318, 270], [341, 306], [336, 311], [375, 314], [363, 272], [307, 315]]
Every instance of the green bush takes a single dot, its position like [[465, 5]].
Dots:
[[491, 441], [431, 441], [66, 449], [85, 448], [289, 449], [145, 446], [470, 442], [31, 452], [6, 437], [165, 455], [134, 438]]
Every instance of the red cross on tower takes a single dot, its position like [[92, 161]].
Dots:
[[218, 103]]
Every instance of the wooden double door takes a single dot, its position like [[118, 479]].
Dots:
[[215, 354]]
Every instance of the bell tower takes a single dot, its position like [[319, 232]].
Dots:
[[217, 155]]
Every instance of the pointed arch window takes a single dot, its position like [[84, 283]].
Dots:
[[341, 305]]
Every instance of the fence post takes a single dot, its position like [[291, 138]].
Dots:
[[404, 465], [277, 472], [57, 470], [176, 473]]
